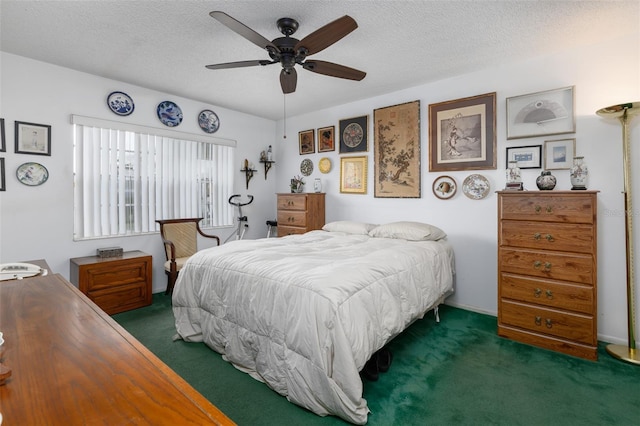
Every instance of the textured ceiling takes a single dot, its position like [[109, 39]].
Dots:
[[165, 45]]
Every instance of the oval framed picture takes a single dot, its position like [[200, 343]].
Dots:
[[32, 174], [444, 187]]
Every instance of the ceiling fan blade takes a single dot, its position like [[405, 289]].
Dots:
[[334, 70], [242, 29], [239, 64], [324, 37], [288, 80]]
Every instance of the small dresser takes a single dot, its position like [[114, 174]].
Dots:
[[116, 284], [300, 213], [547, 270]]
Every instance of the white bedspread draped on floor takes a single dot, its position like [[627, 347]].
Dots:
[[304, 313]]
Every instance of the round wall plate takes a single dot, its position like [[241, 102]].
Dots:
[[444, 187], [120, 103], [324, 165], [32, 174], [476, 187], [306, 167], [208, 121], [169, 113]]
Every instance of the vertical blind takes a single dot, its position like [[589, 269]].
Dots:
[[126, 177]]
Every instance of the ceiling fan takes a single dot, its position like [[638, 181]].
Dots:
[[289, 51]]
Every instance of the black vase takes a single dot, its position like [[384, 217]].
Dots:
[[546, 181]]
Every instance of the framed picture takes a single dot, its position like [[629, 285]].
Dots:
[[307, 142], [3, 142], [543, 113], [396, 151], [354, 134], [558, 154], [462, 134], [326, 139], [33, 138], [444, 187], [353, 175], [528, 157], [3, 186]]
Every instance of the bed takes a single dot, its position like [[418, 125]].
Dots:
[[304, 313]]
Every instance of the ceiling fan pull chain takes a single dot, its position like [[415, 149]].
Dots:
[[284, 110]]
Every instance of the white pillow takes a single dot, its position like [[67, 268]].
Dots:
[[349, 227], [412, 231]]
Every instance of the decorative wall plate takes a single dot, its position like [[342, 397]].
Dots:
[[324, 165], [476, 187], [208, 121], [444, 187], [120, 103], [32, 174], [306, 167], [169, 113]]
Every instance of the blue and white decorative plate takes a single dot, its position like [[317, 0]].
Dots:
[[120, 103], [169, 113], [208, 121]]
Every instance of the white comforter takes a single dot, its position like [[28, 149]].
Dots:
[[304, 313]]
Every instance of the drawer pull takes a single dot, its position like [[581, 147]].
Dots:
[[537, 264], [549, 237], [536, 236], [549, 209], [538, 320], [549, 323], [549, 294], [547, 266], [537, 292], [538, 209]]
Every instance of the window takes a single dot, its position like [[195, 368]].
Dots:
[[127, 176]]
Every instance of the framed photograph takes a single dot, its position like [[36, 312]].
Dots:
[[3, 142], [462, 134], [545, 113], [33, 138], [354, 134], [307, 142], [528, 157], [558, 154], [353, 175], [3, 186], [396, 151], [326, 139]]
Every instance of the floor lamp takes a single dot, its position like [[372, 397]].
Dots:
[[625, 112]]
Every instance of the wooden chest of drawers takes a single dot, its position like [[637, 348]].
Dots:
[[300, 213], [116, 284], [547, 270]]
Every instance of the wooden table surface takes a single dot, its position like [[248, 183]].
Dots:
[[72, 364]]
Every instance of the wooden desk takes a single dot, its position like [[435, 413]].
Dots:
[[72, 364]]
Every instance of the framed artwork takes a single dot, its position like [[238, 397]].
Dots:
[[354, 134], [326, 139], [444, 187], [307, 142], [558, 154], [545, 113], [3, 186], [3, 142], [353, 175], [462, 134], [528, 157], [33, 138], [396, 151]]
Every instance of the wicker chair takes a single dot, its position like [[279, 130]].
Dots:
[[180, 239]]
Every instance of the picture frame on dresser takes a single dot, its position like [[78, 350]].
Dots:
[[550, 112], [528, 157], [462, 134], [32, 138]]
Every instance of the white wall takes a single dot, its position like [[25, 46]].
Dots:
[[37, 222], [603, 75]]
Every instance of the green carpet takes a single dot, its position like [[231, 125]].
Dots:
[[456, 372]]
